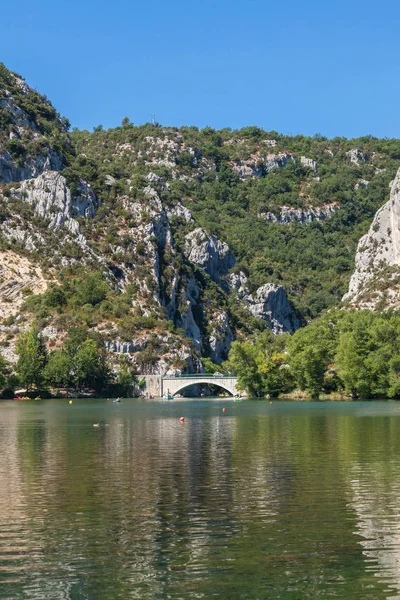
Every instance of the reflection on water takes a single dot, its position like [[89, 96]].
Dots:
[[262, 501]]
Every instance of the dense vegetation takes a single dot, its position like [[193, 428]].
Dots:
[[312, 260], [291, 208], [80, 363], [356, 353]]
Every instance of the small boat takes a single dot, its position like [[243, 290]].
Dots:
[[21, 398], [168, 397], [238, 399], [117, 400]]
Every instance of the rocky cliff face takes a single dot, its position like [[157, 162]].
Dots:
[[258, 164], [301, 215], [121, 212], [25, 150], [209, 253], [12, 170], [270, 303], [375, 278], [51, 199]]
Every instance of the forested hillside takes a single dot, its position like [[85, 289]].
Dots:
[[163, 245], [291, 209]]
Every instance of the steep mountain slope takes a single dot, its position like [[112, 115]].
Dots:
[[376, 278], [170, 243], [126, 258]]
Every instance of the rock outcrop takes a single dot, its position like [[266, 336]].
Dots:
[[209, 253], [309, 163], [51, 199], [186, 320], [18, 160], [257, 165], [307, 214], [13, 170], [221, 338], [271, 304], [168, 355], [356, 156], [379, 248]]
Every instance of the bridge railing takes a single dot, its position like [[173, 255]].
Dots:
[[200, 376]]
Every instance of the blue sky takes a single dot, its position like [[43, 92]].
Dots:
[[328, 66]]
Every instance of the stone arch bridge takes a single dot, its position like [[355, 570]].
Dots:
[[158, 385]]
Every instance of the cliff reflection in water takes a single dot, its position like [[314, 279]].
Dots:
[[257, 502]]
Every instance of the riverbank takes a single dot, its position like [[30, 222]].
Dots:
[[304, 396]]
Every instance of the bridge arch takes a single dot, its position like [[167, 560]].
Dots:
[[174, 385]]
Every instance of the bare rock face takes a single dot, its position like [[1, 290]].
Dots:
[[309, 163], [356, 156], [180, 212], [51, 199], [187, 320], [209, 253], [301, 215], [174, 361], [271, 304], [17, 161], [221, 338], [257, 165], [238, 282], [380, 247], [12, 170]]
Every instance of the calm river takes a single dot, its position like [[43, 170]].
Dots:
[[289, 500]]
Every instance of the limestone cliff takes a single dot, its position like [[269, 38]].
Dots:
[[124, 204], [270, 303], [307, 214], [377, 263], [209, 253]]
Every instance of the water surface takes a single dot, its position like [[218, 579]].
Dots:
[[264, 501]]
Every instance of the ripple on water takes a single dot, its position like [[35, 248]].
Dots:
[[279, 501]]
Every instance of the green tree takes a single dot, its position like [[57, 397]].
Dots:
[[55, 296], [92, 289], [126, 379], [57, 371], [311, 350], [368, 354], [4, 371], [90, 366], [32, 358], [261, 365]]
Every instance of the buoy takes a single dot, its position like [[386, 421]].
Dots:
[[224, 410], [270, 402], [70, 402], [182, 419]]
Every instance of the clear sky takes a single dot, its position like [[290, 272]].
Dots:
[[296, 66]]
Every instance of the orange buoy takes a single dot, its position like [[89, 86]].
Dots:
[[182, 419], [224, 410]]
